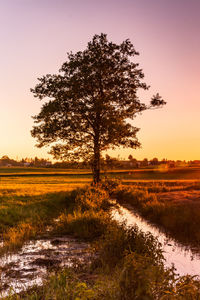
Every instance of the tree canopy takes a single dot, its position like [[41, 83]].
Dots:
[[91, 102]]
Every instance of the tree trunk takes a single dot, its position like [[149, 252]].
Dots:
[[96, 164]]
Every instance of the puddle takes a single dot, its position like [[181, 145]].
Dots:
[[185, 260], [30, 265]]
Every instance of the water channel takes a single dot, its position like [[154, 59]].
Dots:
[[30, 265], [185, 260]]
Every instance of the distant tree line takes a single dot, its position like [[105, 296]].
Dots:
[[106, 162], [5, 161]]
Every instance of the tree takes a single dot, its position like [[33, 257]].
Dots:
[[90, 102], [154, 161], [145, 162], [111, 162], [133, 161], [130, 157]]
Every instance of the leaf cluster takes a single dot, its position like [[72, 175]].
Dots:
[[90, 100]]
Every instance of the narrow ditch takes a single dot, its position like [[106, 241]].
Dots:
[[185, 260], [31, 264]]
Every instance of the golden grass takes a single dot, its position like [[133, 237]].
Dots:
[[16, 236], [129, 264], [29, 204], [37, 200], [24, 186], [190, 197], [174, 207]]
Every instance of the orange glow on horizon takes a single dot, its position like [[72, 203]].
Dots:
[[37, 36]]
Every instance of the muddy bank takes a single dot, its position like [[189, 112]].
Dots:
[[30, 265]]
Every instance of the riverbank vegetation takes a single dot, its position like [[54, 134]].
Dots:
[[127, 264], [174, 206]]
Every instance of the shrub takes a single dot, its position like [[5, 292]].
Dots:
[[110, 185], [140, 278], [92, 198], [118, 241], [86, 225]]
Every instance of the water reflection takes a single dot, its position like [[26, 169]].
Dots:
[[184, 260], [30, 265]]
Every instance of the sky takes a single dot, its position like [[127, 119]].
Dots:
[[36, 35]]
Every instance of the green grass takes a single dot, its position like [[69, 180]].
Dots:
[[25, 217], [28, 205], [175, 208], [129, 264], [36, 201], [186, 173], [26, 170]]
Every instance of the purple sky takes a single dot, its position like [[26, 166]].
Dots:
[[36, 35]]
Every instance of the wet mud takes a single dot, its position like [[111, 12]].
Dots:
[[31, 264]]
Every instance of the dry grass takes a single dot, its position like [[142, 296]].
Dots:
[[28, 205], [35, 200], [175, 207], [182, 197], [22, 186], [129, 264]]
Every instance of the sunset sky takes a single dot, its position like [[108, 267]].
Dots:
[[36, 35]]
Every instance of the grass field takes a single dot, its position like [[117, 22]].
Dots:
[[31, 170], [27, 178], [29, 204], [29, 196], [129, 264], [35, 181], [186, 173]]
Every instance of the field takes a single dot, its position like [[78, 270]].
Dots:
[[29, 204], [156, 173], [31, 200], [36, 196]]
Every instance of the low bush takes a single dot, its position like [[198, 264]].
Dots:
[[92, 198], [118, 241], [140, 278], [86, 225]]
